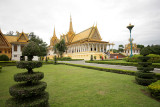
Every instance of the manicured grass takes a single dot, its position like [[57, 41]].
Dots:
[[70, 86]]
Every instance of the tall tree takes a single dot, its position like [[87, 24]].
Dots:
[[61, 47], [42, 45], [121, 48], [140, 46]]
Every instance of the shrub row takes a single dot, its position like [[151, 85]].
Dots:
[[154, 88], [35, 76], [155, 65], [7, 63], [120, 71], [4, 58], [153, 58], [145, 81], [29, 64], [23, 90], [37, 101]]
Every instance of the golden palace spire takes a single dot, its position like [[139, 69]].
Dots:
[[70, 26], [54, 33]]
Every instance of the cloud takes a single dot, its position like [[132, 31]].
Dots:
[[111, 16]]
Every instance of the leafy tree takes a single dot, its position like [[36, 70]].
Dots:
[[10, 33], [121, 48], [61, 47], [140, 46], [155, 49], [31, 50], [42, 45], [115, 51]]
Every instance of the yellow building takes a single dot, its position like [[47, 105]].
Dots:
[[135, 50], [83, 44], [5, 46], [12, 45]]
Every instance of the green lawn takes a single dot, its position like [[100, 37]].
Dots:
[[70, 86]]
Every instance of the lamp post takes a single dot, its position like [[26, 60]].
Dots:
[[130, 28]]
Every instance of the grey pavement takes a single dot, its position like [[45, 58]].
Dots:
[[156, 70]]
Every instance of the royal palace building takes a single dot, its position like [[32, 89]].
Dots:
[[82, 45]]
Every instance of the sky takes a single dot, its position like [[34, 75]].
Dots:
[[111, 17]]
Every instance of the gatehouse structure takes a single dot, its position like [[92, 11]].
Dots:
[[83, 44], [135, 50]]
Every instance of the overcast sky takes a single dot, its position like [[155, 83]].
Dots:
[[111, 16]]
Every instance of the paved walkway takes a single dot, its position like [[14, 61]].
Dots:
[[156, 70]]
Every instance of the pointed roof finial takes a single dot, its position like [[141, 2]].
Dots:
[[54, 33], [70, 26]]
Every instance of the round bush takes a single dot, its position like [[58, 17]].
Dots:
[[30, 50], [24, 90], [4, 58], [145, 51], [145, 64], [144, 58], [145, 82], [35, 76], [149, 75], [29, 64], [145, 69], [37, 101], [154, 88]]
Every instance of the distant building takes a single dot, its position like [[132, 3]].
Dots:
[[12, 45], [83, 44], [135, 50]]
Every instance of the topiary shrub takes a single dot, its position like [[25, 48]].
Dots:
[[144, 76], [91, 58], [95, 57], [154, 88], [30, 92], [55, 60], [4, 58]]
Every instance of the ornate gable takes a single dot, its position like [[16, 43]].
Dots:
[[22, 38], [3, 41], [95, 35]]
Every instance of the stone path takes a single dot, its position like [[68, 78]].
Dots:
[[156, 70]]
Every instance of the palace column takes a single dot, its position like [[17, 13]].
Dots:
[[106, 48], [103, 47], [96, 47], [92, 47], [99, 47], [88, 47]]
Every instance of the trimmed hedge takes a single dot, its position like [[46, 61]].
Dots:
[[37, 101], [7, 63], [145, 81], [145, 69], [24, 90], [153, 58], [4, 58], [145, 75], [29, 64], [120, 71], [155, 65], [35, 76], [154, 88]]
